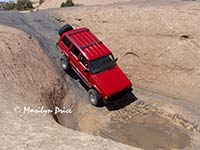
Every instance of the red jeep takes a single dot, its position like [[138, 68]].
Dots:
[[93, 62]]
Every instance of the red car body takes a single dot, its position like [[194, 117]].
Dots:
[[81, 44]]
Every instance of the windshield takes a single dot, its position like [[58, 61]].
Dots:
[[102, 64]]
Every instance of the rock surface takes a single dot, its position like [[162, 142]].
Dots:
[[26, 75]]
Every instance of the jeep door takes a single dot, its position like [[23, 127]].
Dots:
[[74, 57], [65, 44], [84, 68]]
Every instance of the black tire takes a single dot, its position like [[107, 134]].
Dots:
[[64, 63], [94, 97], [65, 28]]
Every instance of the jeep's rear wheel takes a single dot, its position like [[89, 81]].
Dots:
[[65, 28], [94, 97], [64, 63]]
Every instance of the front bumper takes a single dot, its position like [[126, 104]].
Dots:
[[118, 94]]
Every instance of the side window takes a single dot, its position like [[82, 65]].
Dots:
[[84, 61], [66, 41], [75, 51]]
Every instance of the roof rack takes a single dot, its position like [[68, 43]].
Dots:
[[78, 31], [91, 44]]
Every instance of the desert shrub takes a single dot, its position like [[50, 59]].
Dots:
[[68, 3], [8, 6], [24, 5], [41, 1]]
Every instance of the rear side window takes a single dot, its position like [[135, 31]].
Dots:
[[75, 51], [66, 41], [84, 61]]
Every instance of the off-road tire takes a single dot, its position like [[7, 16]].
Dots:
[[94, 97], [64, 63], [64, 29]]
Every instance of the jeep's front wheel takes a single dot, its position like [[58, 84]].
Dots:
[[64, 63], [94, 97]]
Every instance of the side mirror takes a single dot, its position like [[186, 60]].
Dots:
[[86, 70], [116, 59]]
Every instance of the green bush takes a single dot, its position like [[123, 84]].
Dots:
[[24, 5], [68, 3], [9, 6], [41, 1]]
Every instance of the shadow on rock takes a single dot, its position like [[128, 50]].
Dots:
[[121, 102], [112, 105]]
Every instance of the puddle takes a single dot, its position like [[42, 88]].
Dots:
[[150, 133], [138, 124], [147, 131]]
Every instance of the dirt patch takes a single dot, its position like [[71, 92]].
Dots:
[[56, 4], [152, 133], [144, 125]]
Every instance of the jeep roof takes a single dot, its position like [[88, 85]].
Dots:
[[88, 43]]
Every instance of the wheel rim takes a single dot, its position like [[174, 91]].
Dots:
[[92, 98], [64, 66]]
